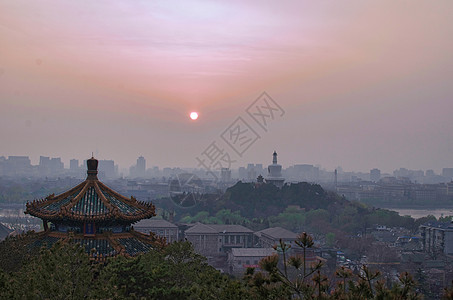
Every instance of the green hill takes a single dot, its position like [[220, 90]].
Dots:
[[298, 206]]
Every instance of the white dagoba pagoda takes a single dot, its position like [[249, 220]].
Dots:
[[274, 175]]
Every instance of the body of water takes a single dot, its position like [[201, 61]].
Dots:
[[14, 218], [415, 213], [420, 213], [12, 212]]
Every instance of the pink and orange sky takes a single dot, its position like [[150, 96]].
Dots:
[[364, 84]]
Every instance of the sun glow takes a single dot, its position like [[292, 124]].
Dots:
[[194, 115]]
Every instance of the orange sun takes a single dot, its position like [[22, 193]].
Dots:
[[194, 115]]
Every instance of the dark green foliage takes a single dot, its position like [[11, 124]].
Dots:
[[277, 284], [297, 207], [264, 200], [423, 220], [448, 293], [177, 272], [61, 272], [321, 212], [17, 250], [174, 273], [446, 219], [65, 272], [5, 285]]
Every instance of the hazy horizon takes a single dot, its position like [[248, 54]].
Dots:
[[362, 84]]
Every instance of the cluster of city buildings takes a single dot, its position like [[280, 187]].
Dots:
[[402, 187], [112, 224], [20, 166], [394, 191], [14, 166], [234, 248], [230, 248]]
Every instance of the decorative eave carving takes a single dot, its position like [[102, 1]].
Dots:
[[38, 209]]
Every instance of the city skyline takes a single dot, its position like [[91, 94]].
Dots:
[[111, 167], [362, 85]]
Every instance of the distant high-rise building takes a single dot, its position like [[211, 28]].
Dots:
[[413, 175], [141, 166], [107, 168], [44, 160], [259, 169], [50, 166], [74, 165], [20, 160], [375, 175], [251, 173], [303, 172], [336, 178], [242, 173], [75, 169], [139, 170], [44, 165], [430, 173], [56, 165], [18, 165], [225, 175], [2, 165], [153, 172], [447, 173]]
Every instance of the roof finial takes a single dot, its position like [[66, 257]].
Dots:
[[92, 165]]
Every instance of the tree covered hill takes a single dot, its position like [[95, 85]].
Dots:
[[263, 200], [300, 206]]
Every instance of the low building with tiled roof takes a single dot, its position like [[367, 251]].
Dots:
[[271, 236], [239, 259], [218, 239], [95, 216], [162, 228]]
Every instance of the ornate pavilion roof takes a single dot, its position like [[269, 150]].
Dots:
[[90, 201], [96, 217]]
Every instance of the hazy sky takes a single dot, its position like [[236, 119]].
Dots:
[[363, 84]]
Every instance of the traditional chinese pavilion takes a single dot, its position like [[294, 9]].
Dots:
[[95, 216]]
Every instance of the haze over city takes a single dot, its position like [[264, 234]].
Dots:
[[362, 84]]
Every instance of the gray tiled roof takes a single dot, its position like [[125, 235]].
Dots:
[[153, 223], [230, 228], [217, 228], [201, 228], [277, 233]]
